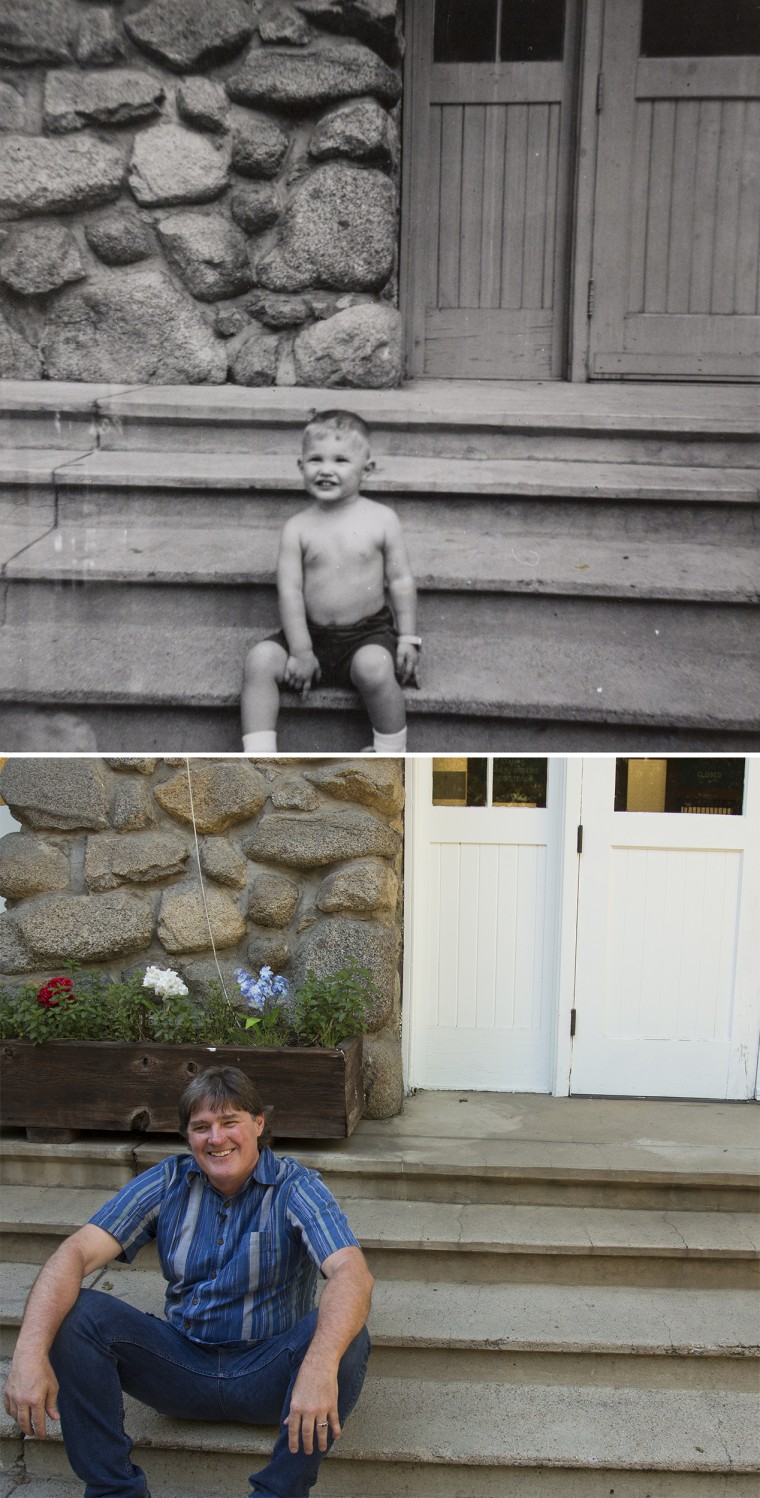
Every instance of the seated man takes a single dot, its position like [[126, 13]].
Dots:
[[241, 1236]]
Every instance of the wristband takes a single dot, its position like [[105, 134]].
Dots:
[[410, 640]]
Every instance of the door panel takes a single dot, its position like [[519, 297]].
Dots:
[[495, 176], [677, 216], [484, 1000], [666, 953]]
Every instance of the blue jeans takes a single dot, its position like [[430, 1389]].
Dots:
[[105, 1347]]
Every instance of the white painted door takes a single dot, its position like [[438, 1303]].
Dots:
[[483, 929], [668, 959]]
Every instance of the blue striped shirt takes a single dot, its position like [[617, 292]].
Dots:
[[238, 1268]]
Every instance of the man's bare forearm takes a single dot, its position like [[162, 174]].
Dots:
[[53, 1294], [343, 1310]]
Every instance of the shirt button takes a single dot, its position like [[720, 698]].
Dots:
[[213, 1274], [196, 1302], [220, 1240]]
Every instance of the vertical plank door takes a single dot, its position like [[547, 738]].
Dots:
[[490, 188], [666, 962], [676, 264]]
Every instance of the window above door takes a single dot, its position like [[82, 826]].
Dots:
[[487, 782], [684, 785], [700, 28], [499, 31]]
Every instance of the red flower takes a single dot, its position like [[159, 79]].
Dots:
[[57, 988]]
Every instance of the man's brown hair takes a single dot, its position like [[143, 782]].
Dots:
[[222, 1088]]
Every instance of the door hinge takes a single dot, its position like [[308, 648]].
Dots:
[[599, 92], [591, 304], [572, 1023], [579, 843]]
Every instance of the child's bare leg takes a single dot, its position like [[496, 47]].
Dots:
[[260, 702], [373, 673]]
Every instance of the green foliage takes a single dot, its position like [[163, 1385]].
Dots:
[[331, 1009], [327, 1010]]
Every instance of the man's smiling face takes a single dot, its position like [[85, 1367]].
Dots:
[[225, 1145]]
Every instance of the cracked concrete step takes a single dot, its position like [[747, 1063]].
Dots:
[[475, 1243], [466, 1438], [439, 1169], [448, 418], [534, 1332], [104, 472], [449, 557]]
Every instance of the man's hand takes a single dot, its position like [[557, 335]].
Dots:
[[30, 1393], [407, 663], [313, 1408], [302, 671]]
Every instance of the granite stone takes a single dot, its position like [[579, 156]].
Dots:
[[305, 80], [223, 794], [208, 252], [172, 165], [120, 96], [360, 348], [30, 866], [56, 793], [137, 328], [39, 259], [184, 919], [38, 175], [191, 34], [85, 928], [338, 232]]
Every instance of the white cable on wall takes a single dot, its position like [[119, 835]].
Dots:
[[200, 876]]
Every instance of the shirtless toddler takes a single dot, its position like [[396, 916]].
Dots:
[[338, 559]]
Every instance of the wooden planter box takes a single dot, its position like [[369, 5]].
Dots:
[[108, 1085]]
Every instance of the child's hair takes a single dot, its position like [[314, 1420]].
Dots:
[[339, 421]]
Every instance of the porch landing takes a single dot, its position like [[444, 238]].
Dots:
[[661, 405]]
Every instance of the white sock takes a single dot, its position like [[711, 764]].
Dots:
[[389, 743], [263, 742]]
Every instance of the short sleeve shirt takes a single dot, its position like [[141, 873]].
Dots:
[[239, 1268]]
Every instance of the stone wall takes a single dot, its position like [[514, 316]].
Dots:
[[301, 865], [195, 191]]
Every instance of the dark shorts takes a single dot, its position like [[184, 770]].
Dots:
[[336, 645]]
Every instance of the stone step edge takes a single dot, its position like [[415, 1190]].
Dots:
[[685, 570], [680, 1240], [463, 1429], [394, 476], [402, 1311], [354, 1162], [410, 406]]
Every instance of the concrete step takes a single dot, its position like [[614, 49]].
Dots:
[[473, 1244], [451, 556], [105, 474], [654, 1338], [680, 667], [431, 1169], [446, 1436], [665, 424]]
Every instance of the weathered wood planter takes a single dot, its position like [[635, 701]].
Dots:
[[109, 1085]]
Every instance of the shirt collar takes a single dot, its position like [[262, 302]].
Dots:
[[265, 1172]]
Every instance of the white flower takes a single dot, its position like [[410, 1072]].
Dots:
[[164, 982]]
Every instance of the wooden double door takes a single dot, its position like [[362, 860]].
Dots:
[[583, 189]]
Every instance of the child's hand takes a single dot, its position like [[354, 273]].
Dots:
[[407, 663], [302, 671]]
